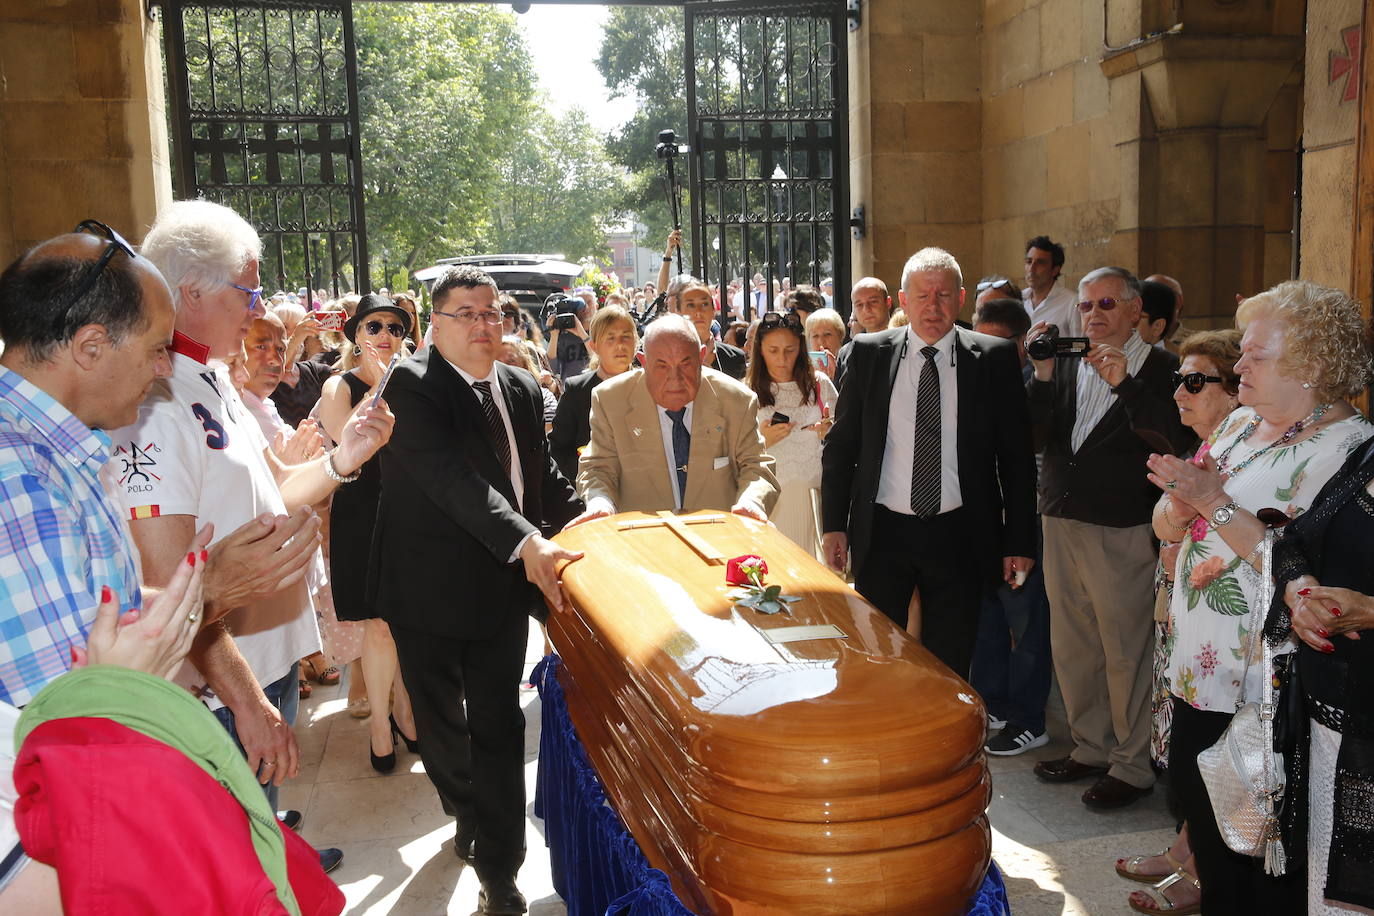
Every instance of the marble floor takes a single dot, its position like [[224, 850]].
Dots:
[[1056, 854]]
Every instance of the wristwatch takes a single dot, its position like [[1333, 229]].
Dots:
[[1223, 514]]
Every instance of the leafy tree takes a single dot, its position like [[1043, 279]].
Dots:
[[442, 91], [642, 57], [558, 190]]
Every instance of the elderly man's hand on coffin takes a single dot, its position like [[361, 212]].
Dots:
[[749, 510], [590, 515], [835, 549], [541, 558]]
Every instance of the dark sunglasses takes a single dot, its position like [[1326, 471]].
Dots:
[[1106, 303], [1194, 382], [773, 320], [117, 244], [393, 328]]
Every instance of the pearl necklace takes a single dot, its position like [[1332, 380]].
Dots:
[[1287, 437]]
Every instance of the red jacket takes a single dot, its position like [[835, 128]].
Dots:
[[133, 826]]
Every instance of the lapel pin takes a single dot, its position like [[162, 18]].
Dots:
[[637, 431]]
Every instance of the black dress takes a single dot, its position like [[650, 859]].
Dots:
[[352, 517]]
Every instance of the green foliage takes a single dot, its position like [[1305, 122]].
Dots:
[[642, 57]]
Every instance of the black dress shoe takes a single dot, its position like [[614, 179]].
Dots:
[[464, 845], [330, 858], [1066, 769], [1110, 792], [291, 818], [500, 896]]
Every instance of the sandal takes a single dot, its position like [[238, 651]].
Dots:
[[1130, 868], [1159, 896], [329, 677], [306, 689], [360, 708], [326, 677]]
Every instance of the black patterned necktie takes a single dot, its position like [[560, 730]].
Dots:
[[498, 428], [682, 448], [925, 464]]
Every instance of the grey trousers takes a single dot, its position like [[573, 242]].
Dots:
[[1100, 584]]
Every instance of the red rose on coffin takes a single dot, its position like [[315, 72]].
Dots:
[[746, 570]]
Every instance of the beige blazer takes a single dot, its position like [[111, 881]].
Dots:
[[625, 461]]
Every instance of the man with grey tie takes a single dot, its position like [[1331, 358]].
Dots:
[[928, 478]]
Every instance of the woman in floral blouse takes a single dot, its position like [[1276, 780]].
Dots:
[[1302, 357]]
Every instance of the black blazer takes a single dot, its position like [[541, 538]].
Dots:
[[572, 422], [445, 523], [996, 465], [730, 360], [1103, 483]]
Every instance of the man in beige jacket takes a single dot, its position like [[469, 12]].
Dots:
[[675, 436]]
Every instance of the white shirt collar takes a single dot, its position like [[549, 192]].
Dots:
[[472, 379], [945, 345]]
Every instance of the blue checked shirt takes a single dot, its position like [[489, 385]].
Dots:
[[63, 538]]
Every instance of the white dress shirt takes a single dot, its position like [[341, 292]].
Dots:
[[1095, 396], [665, 429], [894, 483], [1059, 307]]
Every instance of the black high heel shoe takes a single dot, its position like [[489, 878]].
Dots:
[[411, 745], [385, 763]]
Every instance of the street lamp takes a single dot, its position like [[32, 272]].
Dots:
[[780, 194]]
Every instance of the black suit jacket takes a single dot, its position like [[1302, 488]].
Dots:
[[572, 422], [730, 360], [1104, 482], [446, 525], [996, 465]]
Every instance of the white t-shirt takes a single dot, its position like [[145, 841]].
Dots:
[[196, 450]]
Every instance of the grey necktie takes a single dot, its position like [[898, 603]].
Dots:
[[498, 429]]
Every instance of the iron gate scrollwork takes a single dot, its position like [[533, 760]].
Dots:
[[265, 102], [768, 120]]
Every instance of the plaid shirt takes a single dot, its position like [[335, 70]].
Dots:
[[63, 538]]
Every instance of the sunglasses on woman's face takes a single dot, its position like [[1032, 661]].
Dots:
[[393, 328], [1194, 382]]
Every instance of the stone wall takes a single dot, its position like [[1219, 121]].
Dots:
[[1330, 119], [81, 125]]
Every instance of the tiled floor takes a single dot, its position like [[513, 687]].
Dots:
[[1056, 854]]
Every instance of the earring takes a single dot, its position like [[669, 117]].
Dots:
[[1306, 385], [357, 350]]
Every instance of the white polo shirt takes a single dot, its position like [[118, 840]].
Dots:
[[196, 450]]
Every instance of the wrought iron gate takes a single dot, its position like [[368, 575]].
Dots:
[[768, 111], [264, 98]]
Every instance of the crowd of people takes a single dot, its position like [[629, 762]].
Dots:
[[240, 494]]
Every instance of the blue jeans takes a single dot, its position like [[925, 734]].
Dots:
[[1012, 664], [285, 695]]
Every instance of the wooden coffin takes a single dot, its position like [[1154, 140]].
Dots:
[[834, 774]]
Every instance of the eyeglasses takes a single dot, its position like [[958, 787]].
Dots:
[[999, 284], [254, 296], [1194, 382], [117, 244], [1106, 303], [773, 320], [490, 316], [395, 329]]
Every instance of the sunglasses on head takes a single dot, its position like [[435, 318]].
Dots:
[[1194, 382], [790, 320], [999, 284], [117, 244], [395, 329]]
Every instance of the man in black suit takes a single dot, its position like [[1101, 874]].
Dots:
[[455, 558], [928, 481], [691, 298], [1100, 416]]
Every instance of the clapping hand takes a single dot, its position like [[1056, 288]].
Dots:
[[300, 446], [1198, 486]]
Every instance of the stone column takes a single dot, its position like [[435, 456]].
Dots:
[[915, 134], [1189, 114], [82, 123]]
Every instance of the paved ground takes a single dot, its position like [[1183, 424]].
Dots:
[[1056, 854]]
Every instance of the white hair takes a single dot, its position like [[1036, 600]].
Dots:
[[289, 312], [931, 259], [199, 244], [671, 326]]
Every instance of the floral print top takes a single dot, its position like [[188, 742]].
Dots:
[[1214, 589]]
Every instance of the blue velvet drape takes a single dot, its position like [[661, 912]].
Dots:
[[597, 866]]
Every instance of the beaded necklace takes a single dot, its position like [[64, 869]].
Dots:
[[1287, 437]]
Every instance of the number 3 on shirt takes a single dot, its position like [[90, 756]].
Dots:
[[215, 436]]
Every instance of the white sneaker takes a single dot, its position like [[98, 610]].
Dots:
[[996, 724], [1016, 741]]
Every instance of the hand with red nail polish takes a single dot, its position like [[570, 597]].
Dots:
[[156, 638]]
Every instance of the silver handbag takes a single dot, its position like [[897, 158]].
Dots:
[[1243, 775]]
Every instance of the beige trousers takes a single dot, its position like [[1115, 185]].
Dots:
[[1100, 584]]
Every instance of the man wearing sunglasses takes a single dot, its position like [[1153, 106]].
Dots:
[[1100, 417], [196, 455]]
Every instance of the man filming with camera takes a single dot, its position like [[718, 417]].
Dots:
[[1101, 406], [567, 318]]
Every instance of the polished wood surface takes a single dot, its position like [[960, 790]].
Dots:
[[834, 775]]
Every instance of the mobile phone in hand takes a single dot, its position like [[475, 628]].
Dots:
[[386, 377], [332, 321], [779, 418]]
